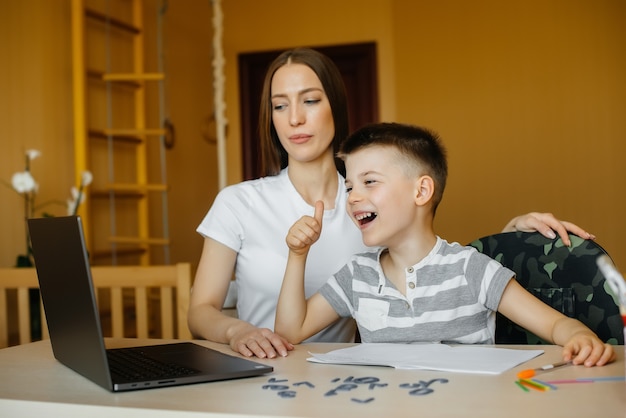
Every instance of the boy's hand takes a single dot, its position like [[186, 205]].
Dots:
[[585, 348], [306, 231]]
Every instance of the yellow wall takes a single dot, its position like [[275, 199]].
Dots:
[[530, 98], [528, 95], [35, 110]]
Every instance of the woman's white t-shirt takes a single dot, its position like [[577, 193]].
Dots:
[[253, 218]]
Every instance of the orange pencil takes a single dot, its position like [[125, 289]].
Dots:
[[527, 374]]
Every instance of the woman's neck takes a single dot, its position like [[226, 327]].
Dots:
[[315, 181]]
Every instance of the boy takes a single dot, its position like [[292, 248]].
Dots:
[[416, 287]]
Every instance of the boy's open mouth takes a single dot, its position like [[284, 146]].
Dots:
[[365, 218]]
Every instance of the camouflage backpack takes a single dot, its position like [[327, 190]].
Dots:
[[566, 278]]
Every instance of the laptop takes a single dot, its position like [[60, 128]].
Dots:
[[67, 290]]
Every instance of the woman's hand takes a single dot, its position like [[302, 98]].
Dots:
[[546, 224], [206, 319], [251, 341]]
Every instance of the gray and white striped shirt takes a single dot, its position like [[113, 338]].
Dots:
[[451, 297]]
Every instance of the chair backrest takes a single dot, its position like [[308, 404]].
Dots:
[[150, 300], [566, 278], [20, 281]]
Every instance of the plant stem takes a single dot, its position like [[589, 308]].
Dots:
[[26, 212]]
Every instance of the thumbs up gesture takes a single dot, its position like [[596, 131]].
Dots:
[[306, 231]]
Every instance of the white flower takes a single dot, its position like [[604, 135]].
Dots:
[[86, 178], [70, 207], [23, 182], [32, 154], [78, 195], [74, 193], [75, 201]]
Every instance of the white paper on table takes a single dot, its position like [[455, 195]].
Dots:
[[457, 358]]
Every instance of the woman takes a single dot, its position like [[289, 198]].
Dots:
[[303, 118]]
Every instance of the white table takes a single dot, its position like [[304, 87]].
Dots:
[[33, 383]]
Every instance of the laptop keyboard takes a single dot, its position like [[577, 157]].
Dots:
[[133, 365]]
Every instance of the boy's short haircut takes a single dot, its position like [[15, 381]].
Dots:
[[419, 144]]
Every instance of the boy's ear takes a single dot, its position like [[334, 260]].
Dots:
[[424, 190]]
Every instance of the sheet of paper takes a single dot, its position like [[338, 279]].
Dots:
[[458, 358]]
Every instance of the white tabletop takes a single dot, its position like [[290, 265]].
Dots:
[[33, 383]]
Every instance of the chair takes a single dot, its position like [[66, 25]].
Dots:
[[567, 279], [18, 281], [128, 298]]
